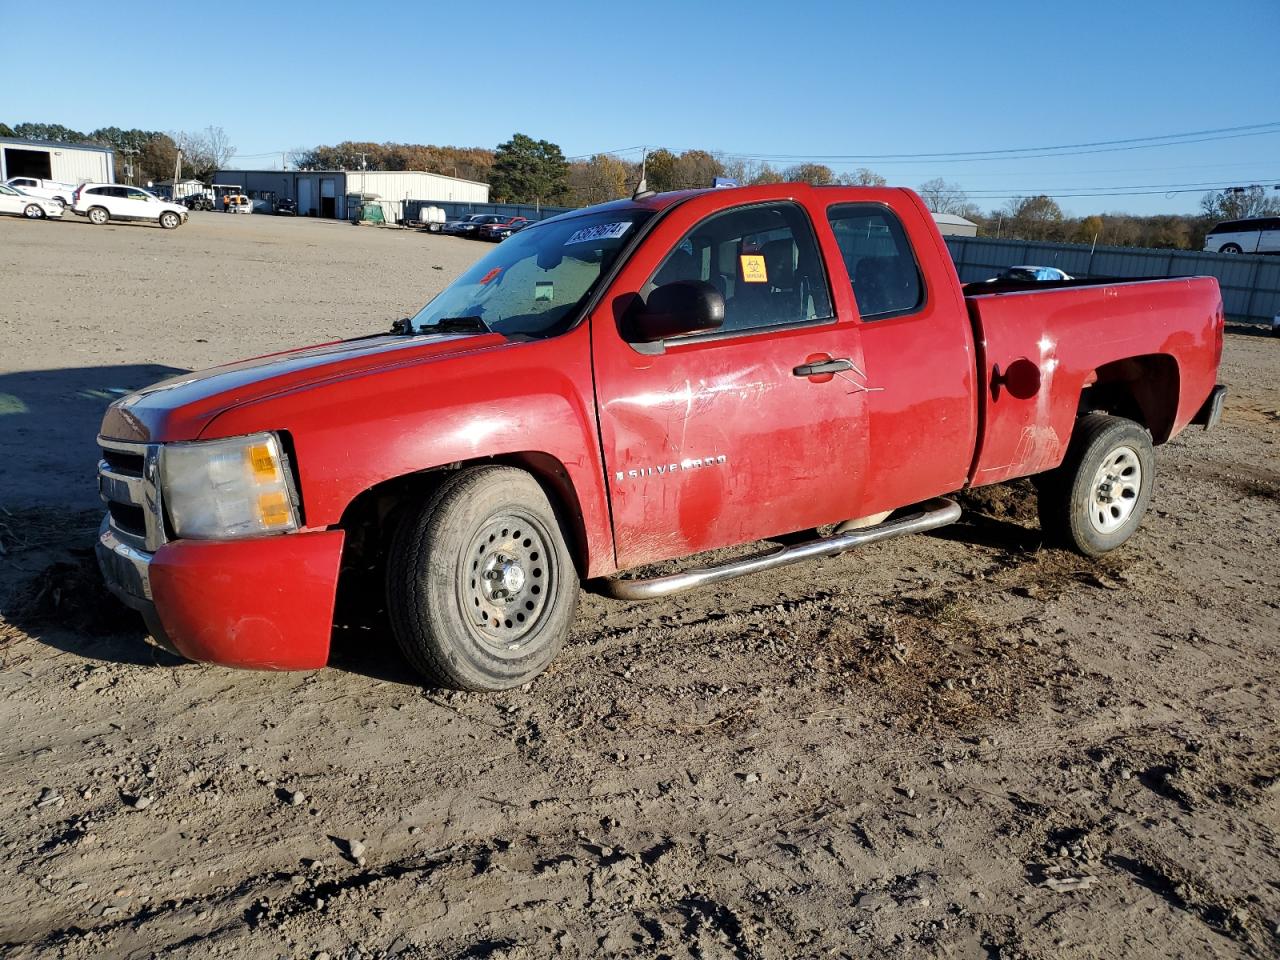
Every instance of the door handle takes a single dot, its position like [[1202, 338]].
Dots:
[[825, 367]]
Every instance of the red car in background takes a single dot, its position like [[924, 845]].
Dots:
[[501, 229]]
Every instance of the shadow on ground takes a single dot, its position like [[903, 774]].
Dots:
[[49, 423]]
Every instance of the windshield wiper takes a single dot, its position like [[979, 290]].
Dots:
[[458, 323]]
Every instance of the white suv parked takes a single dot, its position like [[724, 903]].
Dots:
[[101, 202], [49, 189], [1255, 235]]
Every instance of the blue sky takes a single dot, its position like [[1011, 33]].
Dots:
[[748, 77]]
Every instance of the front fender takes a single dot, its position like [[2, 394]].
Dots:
[[351, 434]]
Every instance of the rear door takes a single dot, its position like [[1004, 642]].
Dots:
[[1269, 242], [918, 346], [722, 438]]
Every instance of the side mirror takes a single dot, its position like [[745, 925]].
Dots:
[[676, 309]]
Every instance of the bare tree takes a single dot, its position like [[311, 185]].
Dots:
[[219, 146], [862, 177], [1034, 218], [818, 174], [205, 152], [942, 197], [1239, 203]]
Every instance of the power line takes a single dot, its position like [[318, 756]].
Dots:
[[995, 155], [1131, 143], [1157, 187]]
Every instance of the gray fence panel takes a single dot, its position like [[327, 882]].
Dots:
[[1250, 284]]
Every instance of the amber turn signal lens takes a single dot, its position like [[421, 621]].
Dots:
[[263, 463], [273, 508]]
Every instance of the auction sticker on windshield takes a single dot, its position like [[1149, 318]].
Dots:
[[601, 231]]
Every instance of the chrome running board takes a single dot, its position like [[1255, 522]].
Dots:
[[924, 516]]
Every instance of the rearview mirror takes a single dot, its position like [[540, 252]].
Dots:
[[677, 309]]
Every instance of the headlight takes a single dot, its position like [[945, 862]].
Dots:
[[220, 489]]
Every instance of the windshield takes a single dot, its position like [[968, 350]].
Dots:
[[533, 282], [5, 189]]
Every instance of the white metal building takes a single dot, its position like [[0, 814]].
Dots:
[[74, 163], [336, 193], [951, 225]]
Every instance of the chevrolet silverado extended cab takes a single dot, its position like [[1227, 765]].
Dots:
[[637, 382]]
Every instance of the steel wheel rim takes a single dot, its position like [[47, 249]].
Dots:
[[1116, 487], [507, 580]]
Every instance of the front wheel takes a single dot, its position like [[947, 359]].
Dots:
[[1096, 500], [99, 216], [481, 588], [169, 219], [1231, 248], [33, 211]]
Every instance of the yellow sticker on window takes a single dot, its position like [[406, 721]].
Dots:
[[753, 270]]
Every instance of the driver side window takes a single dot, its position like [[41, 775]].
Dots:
[[762, 259]]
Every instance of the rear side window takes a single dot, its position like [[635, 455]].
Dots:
[[881, 264]]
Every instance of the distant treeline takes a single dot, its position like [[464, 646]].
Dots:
[[525, 170]]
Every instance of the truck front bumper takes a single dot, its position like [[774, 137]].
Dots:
[[264, 603]]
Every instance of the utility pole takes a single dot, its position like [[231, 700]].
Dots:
[[130, 153], [177, 172]]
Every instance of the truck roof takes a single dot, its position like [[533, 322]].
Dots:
[[657, 202]]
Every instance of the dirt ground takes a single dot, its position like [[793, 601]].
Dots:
[[955, 745]]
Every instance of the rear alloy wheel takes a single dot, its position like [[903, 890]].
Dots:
[[1095, 501], [481, 588], [33, 211], [1231, 248], [99, 215], [169, 219]]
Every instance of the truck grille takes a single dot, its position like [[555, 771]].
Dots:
[[128, 484]]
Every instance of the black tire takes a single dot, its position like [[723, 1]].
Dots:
[[1231, 248], [481, 587], [1091, 509], [99, 215], [33, 211], [170, 220]]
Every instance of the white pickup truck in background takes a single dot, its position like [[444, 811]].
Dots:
[[49, 189]]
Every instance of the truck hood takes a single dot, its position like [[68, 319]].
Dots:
[[181, 407]]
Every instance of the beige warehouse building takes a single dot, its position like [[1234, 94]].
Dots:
[[335, 194]]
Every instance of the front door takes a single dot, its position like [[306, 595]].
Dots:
[[139, 204], [727, 437]]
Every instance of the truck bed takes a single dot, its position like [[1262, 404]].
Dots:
[[1045, 350]]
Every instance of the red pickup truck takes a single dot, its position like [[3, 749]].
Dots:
[[637, 382]]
